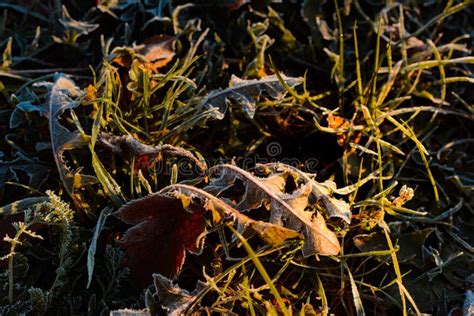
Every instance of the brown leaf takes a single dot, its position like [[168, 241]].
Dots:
[[271, 233], [287, 209], [159, 50], [174, 299], [337, 122], [320, 191], [162, 233], [169, 222]]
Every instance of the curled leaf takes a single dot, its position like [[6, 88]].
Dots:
[[286, 209], [319, 191], [247, 92], [174, 299], [122, 144], [272, 234], [62, 97]]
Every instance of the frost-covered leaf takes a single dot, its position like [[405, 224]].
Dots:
[[287, 209], [163, 227], [320, 191], [171, 222], [80, 27], [129, 312], [468, 306], [93, 246], [124, 144], [35, 171], [21, 205], [272, 234], [62, 98], [411, 244], [174, 299], [247, 93], [25, 106]]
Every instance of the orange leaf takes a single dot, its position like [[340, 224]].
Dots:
[[159, 50]]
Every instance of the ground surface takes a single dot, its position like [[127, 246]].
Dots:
[[302, 157]]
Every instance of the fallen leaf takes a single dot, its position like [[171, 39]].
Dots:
[[162, 233], [155, 53], [246, 93], [62, 98], [286, 209], [128, 143], [320, 191], [274, 235], [337, 122], [159, 50], [172, 298], [171, 222]]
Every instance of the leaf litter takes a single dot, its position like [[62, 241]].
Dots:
[[206, 87]]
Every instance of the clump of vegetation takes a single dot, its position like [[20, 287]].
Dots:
[[236, 157]]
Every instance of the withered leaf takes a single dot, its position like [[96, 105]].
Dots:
[[340, 123], [159, 50], [272, 234], [247, 92], [286, 209], [174, 299], [162, 233], [155, 53], [171, 222], [126, 143], [62, 97], [320, 191]]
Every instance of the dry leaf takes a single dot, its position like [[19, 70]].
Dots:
[[159, 50], [174, 299], [337, 122], [272, 234], [171, 221], [162, 233], [320, 191], [287, 209], [128, 143], [62, 98], [155, 53]]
